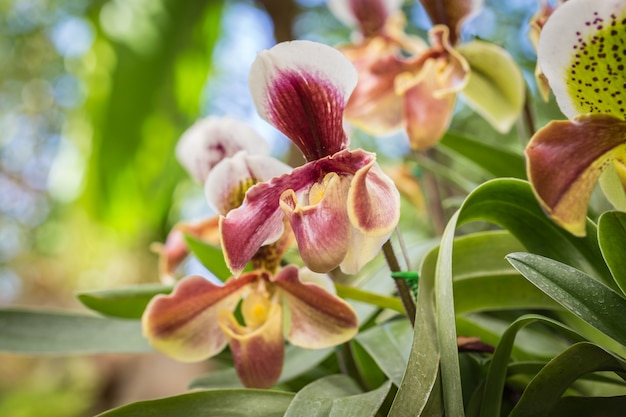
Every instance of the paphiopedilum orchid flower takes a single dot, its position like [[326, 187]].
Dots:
[[211, 139], [340, 205], [582, 52], [228, 157], [405, 83], [197, 320]]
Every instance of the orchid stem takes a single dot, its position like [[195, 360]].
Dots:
[[435, 206], [526, 124], [403, 289]]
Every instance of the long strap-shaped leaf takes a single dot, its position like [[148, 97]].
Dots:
[[585, 297], [544, 392], [498, 368], [231, 402], [511, 204]]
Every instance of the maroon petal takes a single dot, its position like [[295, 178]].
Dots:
[[565, 160], [322, 228], [258, 355], [319, 319], [184, 324], [302, 87], [259, 220]]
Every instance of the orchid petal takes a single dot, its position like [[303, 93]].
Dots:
[[258, 355], [495, 88], [302, 87], [260, 219], [374, 107], [322, 280], [430, 94], [613, 183], [362, 249], [565, 160], [427, 118], [369, 15], [322, 228], [175, 250], [212, 139], [373, 201], [226, 185], [451, 13], [319, 319], [184, 324], [582, 53]]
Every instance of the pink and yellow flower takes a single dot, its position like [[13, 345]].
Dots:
[[406, 84], [197, 320], [581, 52], [340, 205], [228, 157]]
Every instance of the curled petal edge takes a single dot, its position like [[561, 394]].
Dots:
[[565, 160], [183, 324]]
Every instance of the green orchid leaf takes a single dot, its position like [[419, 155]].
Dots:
[[499, 366], [37, 332], [336, 395], [446, 324], [363, 365], [511, 204], [231, 402], [127, 302], [531, 343], [482, 254], [499, 292], [389, 345], [496, 161], [297, 361], [612, 239], [484, 280], [585, 297], [496, 88], [419, 393], [360, 405], [543, 395], [590, 407], [210, 256]]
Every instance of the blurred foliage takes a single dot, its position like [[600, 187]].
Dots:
[[93, 96]]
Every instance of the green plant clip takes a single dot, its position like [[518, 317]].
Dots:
[[411, 278]]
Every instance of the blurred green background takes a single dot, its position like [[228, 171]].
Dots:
[[93, 97]]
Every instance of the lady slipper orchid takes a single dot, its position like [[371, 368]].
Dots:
[[404, 83], [196, 321], [208, 141], [582, 52], [228, 157], [340, 205]]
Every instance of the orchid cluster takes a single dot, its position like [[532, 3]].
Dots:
[[339, 208], [407, 83], [321, 288]]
